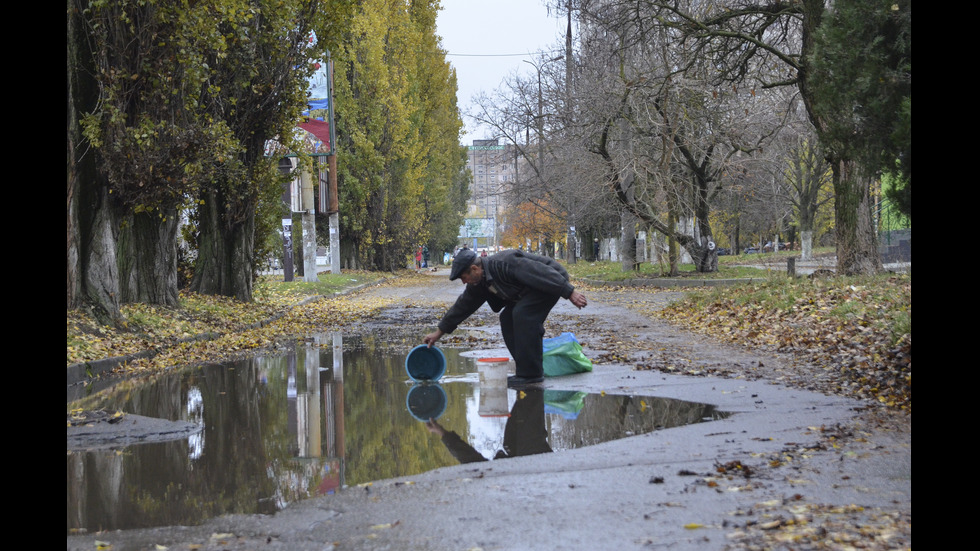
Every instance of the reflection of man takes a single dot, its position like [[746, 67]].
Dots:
[[525, 433], [523, 287]]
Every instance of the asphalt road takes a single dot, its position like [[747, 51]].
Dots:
[[815, 462]]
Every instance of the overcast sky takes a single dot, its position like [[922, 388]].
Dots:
[[486, 31]]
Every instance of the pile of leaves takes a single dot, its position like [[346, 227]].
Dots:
[[858, 329]]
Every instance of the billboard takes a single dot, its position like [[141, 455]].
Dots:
[[477, 227]]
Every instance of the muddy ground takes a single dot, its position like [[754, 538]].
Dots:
[[792, 469]]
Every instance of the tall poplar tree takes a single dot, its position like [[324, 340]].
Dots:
[[138, 143], [398, 132], [445, 186], [170, 106], [258, 89], [861, 70]]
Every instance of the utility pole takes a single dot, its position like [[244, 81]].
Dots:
[[572, 245], [332, 163], [309, 226], [286, 165]]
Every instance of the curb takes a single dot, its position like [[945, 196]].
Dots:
[[669, 282]]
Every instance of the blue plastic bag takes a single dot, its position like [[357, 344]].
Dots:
[[563, 356]]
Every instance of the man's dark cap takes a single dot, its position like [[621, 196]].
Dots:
[[464, 258]]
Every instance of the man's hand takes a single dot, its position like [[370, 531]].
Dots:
[[578, 299], [432, 337]]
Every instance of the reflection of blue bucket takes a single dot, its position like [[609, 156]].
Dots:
[[425, 363], [426, 401]]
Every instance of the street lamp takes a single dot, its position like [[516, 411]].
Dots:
[[570, 247]]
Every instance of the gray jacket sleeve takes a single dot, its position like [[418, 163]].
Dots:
[[461, 450], [468, 302]]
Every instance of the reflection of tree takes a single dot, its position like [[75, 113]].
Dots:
[[249, 462], [153, 484], [140, 487], [378, 447]]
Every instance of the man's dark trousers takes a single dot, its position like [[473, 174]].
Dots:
[[522, 324]]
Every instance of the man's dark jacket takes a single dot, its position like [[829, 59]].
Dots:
[[507, 277]]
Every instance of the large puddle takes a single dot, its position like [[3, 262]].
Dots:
[[310, 421]]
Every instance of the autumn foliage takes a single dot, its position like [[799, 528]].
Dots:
[[858, 329], [533, 222]]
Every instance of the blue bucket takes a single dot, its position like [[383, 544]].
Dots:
[[425, 363]]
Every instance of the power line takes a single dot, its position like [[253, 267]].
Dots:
[[498, 55]]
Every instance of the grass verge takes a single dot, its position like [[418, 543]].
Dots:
[[613, 271]]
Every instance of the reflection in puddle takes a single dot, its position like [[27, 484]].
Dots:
[[285, 427]]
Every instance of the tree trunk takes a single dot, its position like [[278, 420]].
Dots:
[[92, 277], [806, 245], [349, 254], [225, 251], [147, 256], [737, 238], [673, 251], [73, 291], [98, 256], [705, 254], [705, 257], [628, 249], [73, 281], [92, 218], [299, 255], [857, 240]]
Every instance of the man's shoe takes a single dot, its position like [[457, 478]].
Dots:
[[518, 381]]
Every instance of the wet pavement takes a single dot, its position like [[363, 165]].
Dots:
[[695, 486], [332, 413]]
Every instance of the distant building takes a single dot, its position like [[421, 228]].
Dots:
[[492, 165], [493, 168]]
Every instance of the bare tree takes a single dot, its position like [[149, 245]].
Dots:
[[807, 181], [649, 124], [531, 114], [770, 44], [665, 136]]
